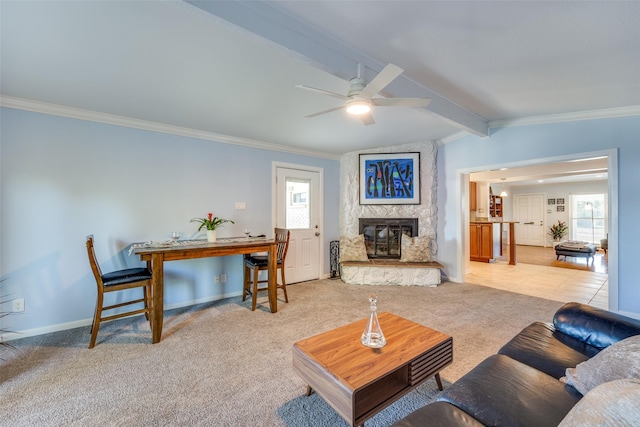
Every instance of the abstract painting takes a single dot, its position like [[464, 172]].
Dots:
[[390, 179]]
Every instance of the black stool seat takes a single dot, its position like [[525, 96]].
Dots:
[[128, 275], [259, 261]]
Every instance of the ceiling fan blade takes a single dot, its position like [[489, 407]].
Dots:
[[400, 102], [326, 111], [379, 82], [324, 92], [367, 119]]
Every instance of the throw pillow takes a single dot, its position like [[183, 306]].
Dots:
[[610, 404], [353, 249], [619, 360], [415, 249]]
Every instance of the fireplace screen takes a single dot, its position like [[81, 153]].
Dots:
[[382, 235]]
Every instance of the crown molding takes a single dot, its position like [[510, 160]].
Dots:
[[111, 119], [608, 113], [452, 137], [94, 116]]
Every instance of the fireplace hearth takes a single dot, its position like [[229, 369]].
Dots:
[[382, 236]]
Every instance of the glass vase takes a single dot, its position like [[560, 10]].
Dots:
[[372, 335]]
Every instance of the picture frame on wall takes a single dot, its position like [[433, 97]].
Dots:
[[390, 179]]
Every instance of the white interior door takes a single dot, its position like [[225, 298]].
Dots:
[[298, 207], [529, 211]]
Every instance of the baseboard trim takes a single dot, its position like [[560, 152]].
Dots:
[[10, 336]]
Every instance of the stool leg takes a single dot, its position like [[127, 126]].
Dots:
[[284, 284], [256, 270], [245, 285], [96, 320]]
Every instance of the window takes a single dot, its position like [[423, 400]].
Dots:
[[298, 214], [588, 217]]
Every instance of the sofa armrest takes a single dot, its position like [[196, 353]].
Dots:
[[594, 326]]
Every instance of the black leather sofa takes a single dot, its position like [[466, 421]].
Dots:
[[520, 385]]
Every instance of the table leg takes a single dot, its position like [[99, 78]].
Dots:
[[157, 296], [439, 381], [273, 295]]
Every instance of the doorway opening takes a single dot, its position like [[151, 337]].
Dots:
[[610, 277]]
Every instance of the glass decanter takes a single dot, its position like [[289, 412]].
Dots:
[[372, 335]]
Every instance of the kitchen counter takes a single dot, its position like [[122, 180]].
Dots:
[[492, 242]]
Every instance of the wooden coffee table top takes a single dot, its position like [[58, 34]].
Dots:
[[340, 352]]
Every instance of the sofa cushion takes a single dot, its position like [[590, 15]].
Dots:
[[353, 249], [501, 391], [618, 361], [610, 404], [415, 249], [540, 346], [438, 414], [596, 327]]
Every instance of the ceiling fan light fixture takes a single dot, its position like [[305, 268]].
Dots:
[[358, 107]]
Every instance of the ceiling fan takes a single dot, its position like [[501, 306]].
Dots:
[[360, 98]]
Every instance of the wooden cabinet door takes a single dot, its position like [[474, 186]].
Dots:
[[473, 199], [474, 237], [481, 242], [486, 241]]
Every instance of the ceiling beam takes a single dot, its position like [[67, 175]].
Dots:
[[283, 30]]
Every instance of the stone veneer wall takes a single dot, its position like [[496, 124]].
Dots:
[[352, 210], [426, 211]]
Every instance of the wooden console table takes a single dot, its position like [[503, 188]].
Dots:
[[358, 381], [156, 256]]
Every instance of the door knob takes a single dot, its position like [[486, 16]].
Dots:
[[528, 223], [317, 234]]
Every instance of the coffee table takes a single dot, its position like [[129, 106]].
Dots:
[[358, 381]]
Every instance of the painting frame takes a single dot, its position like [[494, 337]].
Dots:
[[390, 178]]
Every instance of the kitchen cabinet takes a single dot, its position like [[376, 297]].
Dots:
[[484, 241], [473, 198]]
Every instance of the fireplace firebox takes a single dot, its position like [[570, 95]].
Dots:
[[382, 235]]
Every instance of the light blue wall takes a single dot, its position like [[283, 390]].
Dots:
[[514, 145], [63, 179]]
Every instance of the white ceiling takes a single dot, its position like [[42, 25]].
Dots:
[[589, 169], [227, 70]]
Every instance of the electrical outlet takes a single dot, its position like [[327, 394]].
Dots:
[[18, 305], [216, 279], [223, 278]]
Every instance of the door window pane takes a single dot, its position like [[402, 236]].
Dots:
[[298, 213]]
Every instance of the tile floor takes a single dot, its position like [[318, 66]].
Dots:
[[558, 284]]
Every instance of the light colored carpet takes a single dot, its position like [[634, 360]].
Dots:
[[221, 364]]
